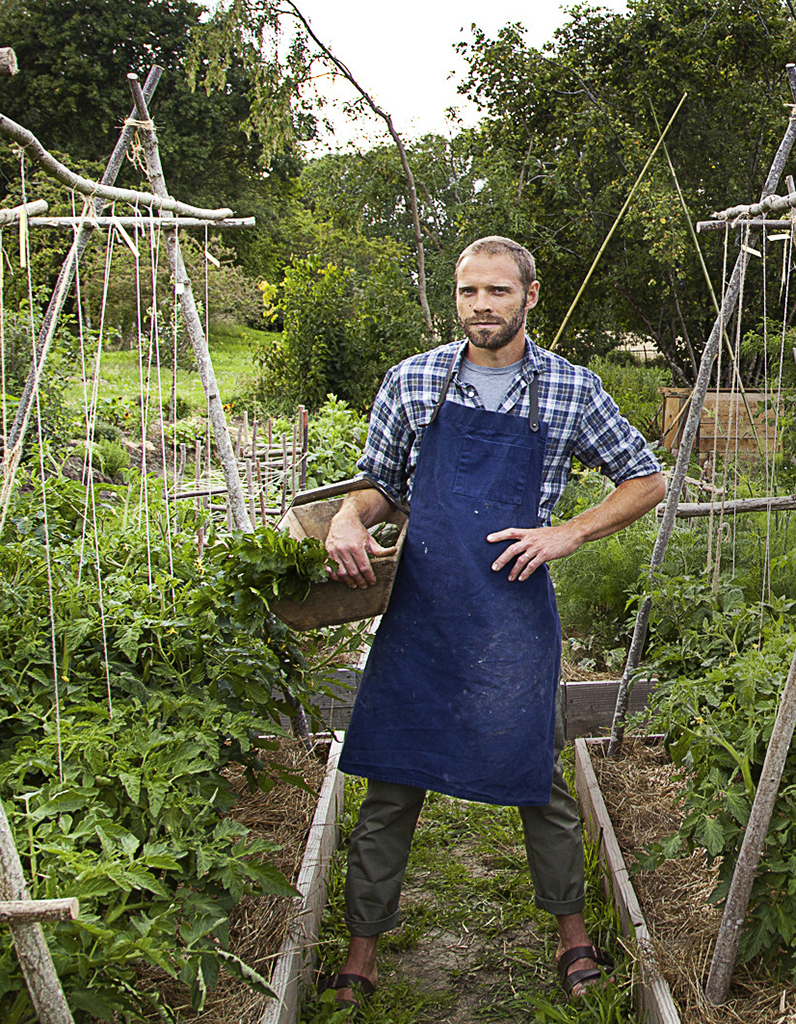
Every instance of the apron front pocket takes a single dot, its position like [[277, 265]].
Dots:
[[494, 470]]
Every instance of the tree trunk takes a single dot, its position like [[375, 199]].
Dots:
[[8, 62]]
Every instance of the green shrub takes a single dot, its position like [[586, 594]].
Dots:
[[337, 436], [342, 331], [634, 388]]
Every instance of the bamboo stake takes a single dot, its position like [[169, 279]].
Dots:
[[197, 474], [616, 223], [237, 501], [284, 473], [263, 510], [687, 440], [31, 947], [250, 485], [726, 949]]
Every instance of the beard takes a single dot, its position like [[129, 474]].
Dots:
[[494, 339]]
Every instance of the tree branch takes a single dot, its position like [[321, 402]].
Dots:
[[37, 152]]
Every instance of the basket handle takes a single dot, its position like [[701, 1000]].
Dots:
[[333, 490]]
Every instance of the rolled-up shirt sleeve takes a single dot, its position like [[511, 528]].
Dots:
[[389, 441], [606, 441]]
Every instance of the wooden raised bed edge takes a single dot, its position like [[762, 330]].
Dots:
[[653, 994], [296, 957]]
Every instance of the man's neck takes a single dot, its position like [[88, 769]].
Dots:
[[510, 353]]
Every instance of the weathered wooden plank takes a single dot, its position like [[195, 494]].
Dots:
[[724, 422], [296, 958], [588, 705], [654, 995], [38, 910]]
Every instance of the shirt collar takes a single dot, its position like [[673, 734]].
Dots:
[[531, 363]]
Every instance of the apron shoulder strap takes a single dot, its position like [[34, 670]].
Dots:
[[444, 389], [533, 399]]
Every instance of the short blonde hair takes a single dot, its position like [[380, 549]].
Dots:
[[497, 245]]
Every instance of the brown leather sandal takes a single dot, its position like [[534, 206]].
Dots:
[[363, 988], [586, 976]]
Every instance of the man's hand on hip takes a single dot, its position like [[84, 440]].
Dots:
[[623, 506], [532, 548]]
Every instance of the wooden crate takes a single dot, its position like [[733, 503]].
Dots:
[[724, 422], [331, 603]]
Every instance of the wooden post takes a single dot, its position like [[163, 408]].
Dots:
[[33, 954], [25, 911], [13, 214], [66, 275], [237, 501], [689, 433], [732, 921]]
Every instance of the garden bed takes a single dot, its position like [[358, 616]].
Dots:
[[276, 935], [628, 803]]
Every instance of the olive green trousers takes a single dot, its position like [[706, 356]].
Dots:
[[379, 850]]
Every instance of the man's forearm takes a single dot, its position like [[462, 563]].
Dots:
[[530, 548], [369, 506], [628, 502]]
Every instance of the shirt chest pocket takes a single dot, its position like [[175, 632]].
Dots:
[[495, 470]]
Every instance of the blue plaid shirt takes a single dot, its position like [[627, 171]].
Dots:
[[582, 421]]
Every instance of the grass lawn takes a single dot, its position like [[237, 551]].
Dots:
[[230, 352]]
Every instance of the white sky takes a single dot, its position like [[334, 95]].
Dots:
[[403, 54]]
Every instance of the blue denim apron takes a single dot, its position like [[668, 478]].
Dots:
[[458, 694]]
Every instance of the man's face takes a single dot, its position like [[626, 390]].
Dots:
[[490, 301]]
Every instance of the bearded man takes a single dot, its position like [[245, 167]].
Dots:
[[459, 692]]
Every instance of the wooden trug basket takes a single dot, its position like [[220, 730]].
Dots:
[[331, 603]]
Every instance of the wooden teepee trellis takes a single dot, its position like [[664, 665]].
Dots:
[[726, 949], [23, 914]]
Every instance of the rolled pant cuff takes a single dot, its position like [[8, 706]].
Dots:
[[561, 908], [367, 929]]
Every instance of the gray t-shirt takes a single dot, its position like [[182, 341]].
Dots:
[[491, 382]]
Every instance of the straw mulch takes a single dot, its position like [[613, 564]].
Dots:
[[642, 792], [258, 926]]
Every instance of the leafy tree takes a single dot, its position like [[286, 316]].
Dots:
[[72, 93], [363, 194], [570, 126]]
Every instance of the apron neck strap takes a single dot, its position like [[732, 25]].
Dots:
[[533, 396]]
